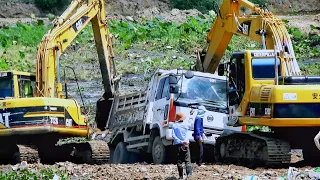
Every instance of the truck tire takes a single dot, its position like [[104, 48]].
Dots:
[[120, 154], [158, 151], [111, 149]]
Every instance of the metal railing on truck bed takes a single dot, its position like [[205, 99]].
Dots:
[[128, 110]]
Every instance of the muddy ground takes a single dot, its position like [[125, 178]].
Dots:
[[165, 172], [24, 8]]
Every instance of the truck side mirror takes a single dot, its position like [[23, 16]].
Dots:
[[189, 74], [172, 79], [174, 89], [221, 69]]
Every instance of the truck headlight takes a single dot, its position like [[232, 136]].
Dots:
[[210, 118]]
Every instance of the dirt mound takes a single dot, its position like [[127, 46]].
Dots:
[[159, 172], [10, 21], [130, 8], [293, 6], [175, 15], [17, 10], [302, 22]]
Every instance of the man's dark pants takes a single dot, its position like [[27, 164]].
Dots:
[[199, 145], [183, 156]]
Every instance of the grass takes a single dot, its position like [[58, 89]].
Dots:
[[153, 43], [43, 174]]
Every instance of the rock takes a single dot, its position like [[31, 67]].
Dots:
[[143, 169], [227, 176], [56, 177], [129, 18], [270, 173], [23, 165], [175, 12], [15, 167]]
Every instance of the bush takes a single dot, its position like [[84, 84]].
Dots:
[[203, 6], [49, 4]]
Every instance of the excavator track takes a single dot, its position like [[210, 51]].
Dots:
[[251, 149], [99, 152], [28, 154]]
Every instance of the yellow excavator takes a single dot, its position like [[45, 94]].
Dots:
[[34, 111], [265, 88]]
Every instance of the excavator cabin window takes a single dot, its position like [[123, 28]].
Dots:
[[6, 85], [26, 86], [236, 78]]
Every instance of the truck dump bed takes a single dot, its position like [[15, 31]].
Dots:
[[128, 110]]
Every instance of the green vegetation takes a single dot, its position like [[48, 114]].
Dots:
[[204, 6], [49, 4], [46, 173], [158, 44], [304, 45]]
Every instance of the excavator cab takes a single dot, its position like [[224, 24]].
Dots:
[[246, 68], [16, 84]]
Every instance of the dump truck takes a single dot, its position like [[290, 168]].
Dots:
[[139, 126]]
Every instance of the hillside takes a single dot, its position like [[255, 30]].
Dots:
[[24, 8]]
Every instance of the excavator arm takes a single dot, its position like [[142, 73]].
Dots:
[[262, 27], [65, 30]]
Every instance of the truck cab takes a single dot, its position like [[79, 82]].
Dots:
[[16, 84], [184, 95]]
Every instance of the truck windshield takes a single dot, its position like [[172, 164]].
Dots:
[[5, 87], [202, 89]]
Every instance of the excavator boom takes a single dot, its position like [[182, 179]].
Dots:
[[65, 30], [262, 27]]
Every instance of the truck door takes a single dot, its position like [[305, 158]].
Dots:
[[161, 103]]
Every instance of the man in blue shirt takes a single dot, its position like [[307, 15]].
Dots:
[[181, 141], [198, 133]]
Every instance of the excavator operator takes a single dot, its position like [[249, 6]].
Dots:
[[27, 89]]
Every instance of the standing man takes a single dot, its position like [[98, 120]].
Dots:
[[198, 133], [181, 141]]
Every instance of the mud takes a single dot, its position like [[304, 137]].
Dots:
[[127, 7], [175, 15], [18, 10], [302, 22], [293, 6], [10, 21], [159, 172], [24, 8]]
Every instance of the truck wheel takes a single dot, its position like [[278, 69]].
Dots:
[[120, 155], [111, 150], [158, 151]]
